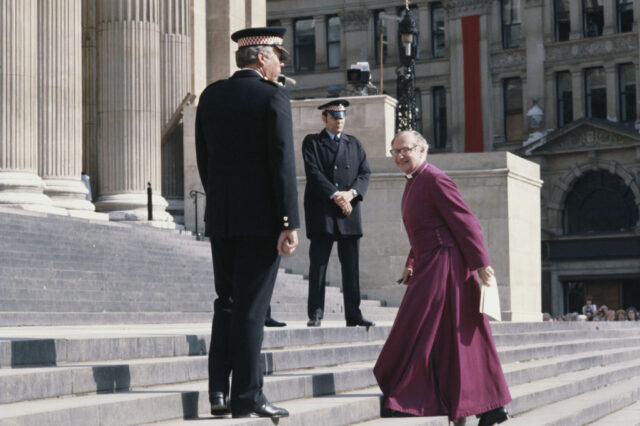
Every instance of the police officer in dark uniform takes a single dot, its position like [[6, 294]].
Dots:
[[244, 147], [337, 179]]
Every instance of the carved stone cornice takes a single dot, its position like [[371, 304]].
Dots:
[[461, 8], [592, 48], [508, 60], [585, 138], [355, 20]]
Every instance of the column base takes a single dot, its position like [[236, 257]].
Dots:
[[132, 207], [70, 194], [24, 190]]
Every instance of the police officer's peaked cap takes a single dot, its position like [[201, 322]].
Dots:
[[336, 108], [262, 36], [337, 105]]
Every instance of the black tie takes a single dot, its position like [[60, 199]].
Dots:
[[336, 138]]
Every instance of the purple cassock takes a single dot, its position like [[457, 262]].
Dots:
[[439, 358]]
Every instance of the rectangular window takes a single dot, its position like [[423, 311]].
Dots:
[[333, 41], [625, 15], [563, 23], [513, 121], [564, 98], [439, 112], [627, 84], [380, 27], [592, 17], [595, 88], [437, 30], [510, 23], [304, 44]]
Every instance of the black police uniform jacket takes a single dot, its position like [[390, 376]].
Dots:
[[329, 168], [244, 149]]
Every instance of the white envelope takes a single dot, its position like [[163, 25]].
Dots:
[[490, 300]]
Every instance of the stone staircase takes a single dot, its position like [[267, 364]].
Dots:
[[109, 324]]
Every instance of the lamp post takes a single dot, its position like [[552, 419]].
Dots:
[[406, 110]]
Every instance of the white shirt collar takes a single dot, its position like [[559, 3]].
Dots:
[[331, 135]]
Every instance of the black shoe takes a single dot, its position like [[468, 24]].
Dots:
[[265, 410], [361, 322], [270, 322], [490, 418], [314, 322], [219, 405]]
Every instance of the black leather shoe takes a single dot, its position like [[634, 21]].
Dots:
[[265, 410], [270, 322], [490, 418], [314, 322], [219, 406], [361, 322]]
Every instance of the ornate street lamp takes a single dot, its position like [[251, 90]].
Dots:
[[406, 110]]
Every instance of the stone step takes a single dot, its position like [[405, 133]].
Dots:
[[12, 319], [148, 405], [629, 415], [28, 346], [76, 305], [516, 339], [570, 347], [584, 408], [530, 396]]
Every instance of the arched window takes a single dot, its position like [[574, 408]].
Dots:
[[600, 202]]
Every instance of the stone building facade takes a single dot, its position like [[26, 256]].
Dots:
[[552, 80], [99, 86]]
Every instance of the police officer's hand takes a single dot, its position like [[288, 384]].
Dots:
[[347, 209], [287, 241]]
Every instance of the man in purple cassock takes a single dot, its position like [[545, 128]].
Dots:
[[440, 358]]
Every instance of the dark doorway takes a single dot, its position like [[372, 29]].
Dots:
[[616, 293]]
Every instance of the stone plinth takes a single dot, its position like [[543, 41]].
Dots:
[[502, 190], [369, 118]]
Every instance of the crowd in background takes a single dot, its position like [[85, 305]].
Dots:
[[591, 312]]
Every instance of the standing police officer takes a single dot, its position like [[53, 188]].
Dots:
[[337, 179], [244, 147]]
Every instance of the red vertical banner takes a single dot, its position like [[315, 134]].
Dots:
[[472, 95]]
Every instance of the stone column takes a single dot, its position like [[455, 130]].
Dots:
[[224, 17], [89, 98], [424, 17], [355, 25], [321, 41], [288, 43], [577, 88], [129, 109], [575, 20], [533, 23], [60, 105], [612, 91], [255, 13], [19, 182], [175, 83], [610, 17]]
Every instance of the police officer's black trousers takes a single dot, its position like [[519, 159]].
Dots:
[[245, 270], [319, 252]]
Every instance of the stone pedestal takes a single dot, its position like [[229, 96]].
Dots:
[[370, 118], [60, 105], [502, 190], [19, 182], [128, 47]]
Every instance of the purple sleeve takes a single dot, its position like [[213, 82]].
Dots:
[[410, 260], [461, 222]]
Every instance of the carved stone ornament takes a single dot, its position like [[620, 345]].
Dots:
[[586, 138], [460, 8], [507, 60], [355, 20], [592, 48]]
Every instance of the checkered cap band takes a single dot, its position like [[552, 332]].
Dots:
[[260, 41], [335, 108]]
